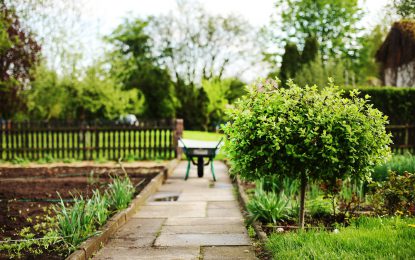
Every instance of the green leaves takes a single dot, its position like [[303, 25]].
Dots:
[[292, 131]]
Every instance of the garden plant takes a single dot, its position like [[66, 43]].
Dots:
[[307, 134]]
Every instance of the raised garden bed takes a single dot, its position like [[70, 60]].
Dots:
[[28, 194]]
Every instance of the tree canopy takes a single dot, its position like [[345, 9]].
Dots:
[[332, 22], [305, 133], [134, 63], [19, 53]]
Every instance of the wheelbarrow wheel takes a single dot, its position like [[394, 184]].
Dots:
[[200, 166]]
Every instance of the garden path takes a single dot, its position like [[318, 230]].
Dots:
[[205, 222]]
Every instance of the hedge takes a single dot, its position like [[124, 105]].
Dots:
[[396, 102]]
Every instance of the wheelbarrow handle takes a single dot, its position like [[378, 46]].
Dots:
[[220, 141], [184, 146]]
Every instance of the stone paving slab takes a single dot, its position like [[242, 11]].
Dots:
[[223, 205], [197, 209], [204, 229], [228, 253], [202, 240], [150, 253], [187, 196], [212, 212], [131, 243], [141, 226], [204, 223]]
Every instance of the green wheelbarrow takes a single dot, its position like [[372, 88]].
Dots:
[[200, 150]]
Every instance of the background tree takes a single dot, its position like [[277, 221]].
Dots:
[[405, 8], [305, 134], [135, 65], [96, 95], [366, 68], [310, 50], [221, 94], [19, 53], [237, 88], [291, 62], [194, 44], [317, 72], [332, 22], [60, 27]]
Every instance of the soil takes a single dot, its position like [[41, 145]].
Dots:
[[28, 194]]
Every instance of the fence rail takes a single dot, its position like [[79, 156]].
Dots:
[[89, 141]]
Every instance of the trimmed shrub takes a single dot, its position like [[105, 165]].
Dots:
[[305, 134]]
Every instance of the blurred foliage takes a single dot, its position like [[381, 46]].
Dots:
[[365, 67], [397, 103], [398, 164], [221, 94], [195, 44], [291, 62], [134, 64], [332, 22], [327, 29], [405, 8], [96, 95], [396, 195], [19, 53], [316, 72]]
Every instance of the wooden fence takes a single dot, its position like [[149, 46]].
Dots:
[[146, 140], [403, 137]]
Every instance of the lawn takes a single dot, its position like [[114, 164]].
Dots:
[[205, 136], [366, 238]]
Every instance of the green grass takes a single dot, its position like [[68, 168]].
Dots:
[[398, 164], [366, 238], [203, 136], [206, 136]]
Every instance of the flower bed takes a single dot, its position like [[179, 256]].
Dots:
[[36, 212]]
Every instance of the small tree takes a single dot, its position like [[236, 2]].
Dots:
[[305, 134]]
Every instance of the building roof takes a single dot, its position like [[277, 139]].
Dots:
[[399, 46]]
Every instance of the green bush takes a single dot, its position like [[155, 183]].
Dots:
[[397, 103], [305, 134], [396, 195]]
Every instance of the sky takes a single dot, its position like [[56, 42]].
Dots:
[[101, 17], [257, 12]]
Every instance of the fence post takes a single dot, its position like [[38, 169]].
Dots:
[[97, 143], [178, 133], [2, 124], [406, 136]]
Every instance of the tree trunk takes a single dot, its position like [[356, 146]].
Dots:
[[302, 200]]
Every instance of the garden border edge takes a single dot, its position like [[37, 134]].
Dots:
[[243, 198]]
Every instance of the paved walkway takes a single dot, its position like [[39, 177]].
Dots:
[[204, 223]]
